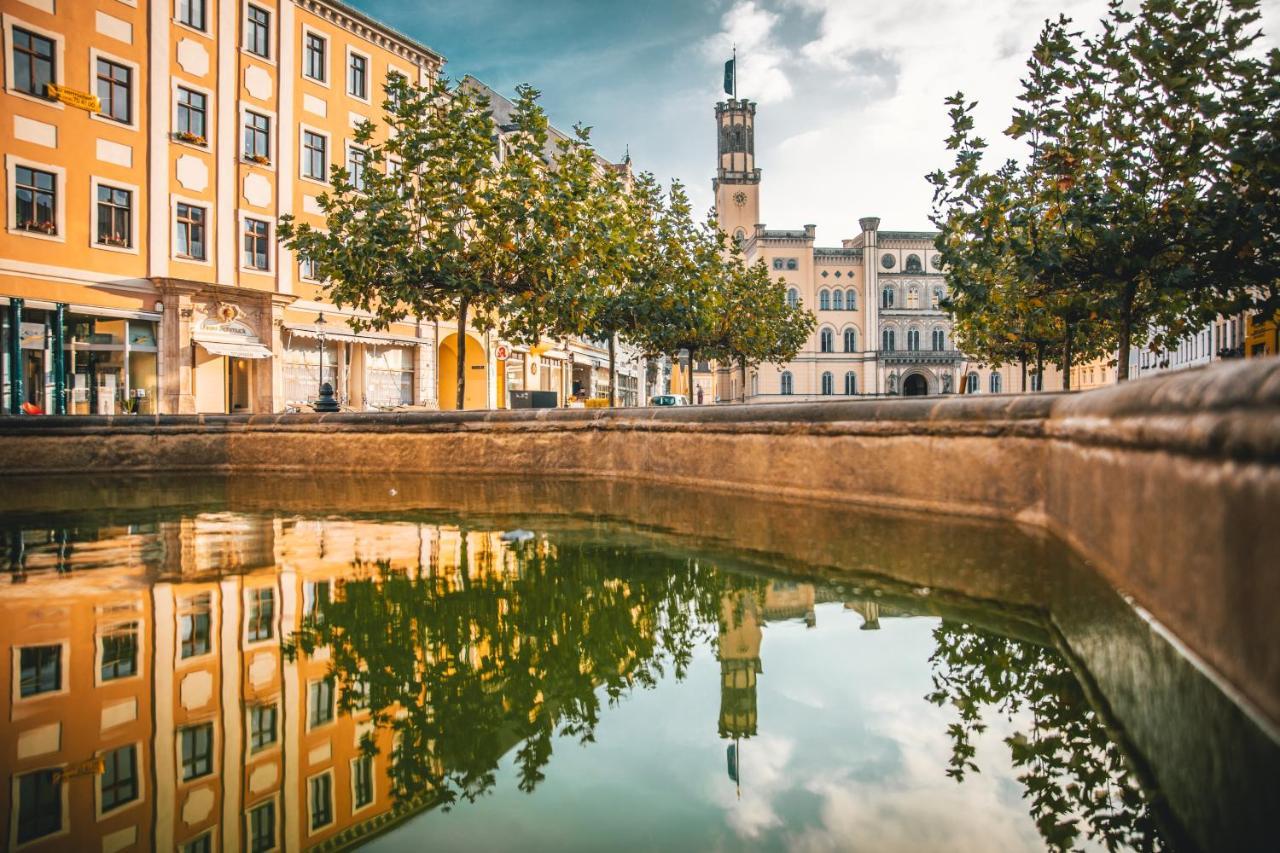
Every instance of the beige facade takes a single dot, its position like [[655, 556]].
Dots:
[[877, 298]]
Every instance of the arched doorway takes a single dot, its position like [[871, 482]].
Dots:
[[915, 385], [477, 392]]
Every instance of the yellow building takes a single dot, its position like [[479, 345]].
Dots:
[[1262, 337], [150, 147]]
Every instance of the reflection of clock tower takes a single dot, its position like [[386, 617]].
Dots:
[[737, 181]]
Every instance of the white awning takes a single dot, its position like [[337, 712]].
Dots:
[[312, 333], [235, 349]]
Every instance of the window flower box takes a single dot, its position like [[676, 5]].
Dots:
[[260, 159], [116, 240], [191, 138], [39, 227]]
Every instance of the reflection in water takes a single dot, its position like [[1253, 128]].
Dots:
[[196, 680]]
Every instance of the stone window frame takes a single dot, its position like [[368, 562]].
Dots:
[[12, 162], [207, 206], [7, 23], [95, 182]]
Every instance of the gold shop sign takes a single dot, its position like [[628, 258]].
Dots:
[[73, 98]]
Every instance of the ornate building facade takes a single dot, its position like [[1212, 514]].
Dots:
[[877, 297]]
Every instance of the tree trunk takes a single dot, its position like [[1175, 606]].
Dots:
[[1066, 357], [1126, 333], [1040, 366], [693, 396], [613, 370], [462, 353], [743, 365], [1023, 358]]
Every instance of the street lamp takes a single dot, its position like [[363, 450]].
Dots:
[[326, 401]]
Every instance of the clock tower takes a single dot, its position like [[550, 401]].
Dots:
[[737, 181]]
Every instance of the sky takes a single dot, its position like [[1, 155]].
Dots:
[[851, 114]]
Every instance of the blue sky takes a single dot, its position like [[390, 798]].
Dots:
[[850, 91]]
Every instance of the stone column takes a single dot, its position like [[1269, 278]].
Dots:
[[177, 361], [871, 277]]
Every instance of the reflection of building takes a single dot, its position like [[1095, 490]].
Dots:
[[113, 676], [877, 297]]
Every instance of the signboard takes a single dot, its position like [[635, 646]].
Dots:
[[73, 97], [504, 352], [32, 335]]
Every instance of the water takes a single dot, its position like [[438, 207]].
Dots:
[[277, 665]]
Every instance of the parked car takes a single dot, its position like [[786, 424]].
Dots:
[[669, 400]]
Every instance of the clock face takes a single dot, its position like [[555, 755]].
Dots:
[[740, 199]]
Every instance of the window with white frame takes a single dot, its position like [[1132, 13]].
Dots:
[[793, 297], [39, 806], [257, 31], [827, 383], [320, 702], [194, 626], [263, 727], [362, 781], [115, 217], [850, 340], [315, 57], [824, 300], [35, 200], [939, 340], [34, 62], [886, 298], [40, 670], [837, 300], [826, 341], [119, 652], [315, 156], [787, 383], [971, 383], [115, 91], [321, 800], [192, 13], [255, 245], [262, 614], [118, 781], [358, 76], [189, 236], [257, 136], [851, 300], [191, 118], [356, 166], [262, 827], [197, 751], [913, 340], [996, 384], [850, 383]]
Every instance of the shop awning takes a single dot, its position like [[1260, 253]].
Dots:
[[235, 349], [312, 333]]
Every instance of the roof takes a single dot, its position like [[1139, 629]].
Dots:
[[787, 234], [908, 235], [503, 109], [829, 251], [374, 23]]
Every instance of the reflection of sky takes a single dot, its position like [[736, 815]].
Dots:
[[849, 756]]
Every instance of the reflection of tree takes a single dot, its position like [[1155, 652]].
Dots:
[[461, 668], [1075, 776]]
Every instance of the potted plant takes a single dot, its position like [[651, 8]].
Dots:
[[260, 159], [192, 138]]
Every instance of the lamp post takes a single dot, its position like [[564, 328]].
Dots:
[[325, 402]]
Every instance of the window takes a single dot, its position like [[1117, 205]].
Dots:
[[315, 49], [119, 780], [191, 13], [939, 340], [362, 780], [850, 383], [255, 257], [308, 269], [315, 156], [262, 727], [40, 670], [913, 297], [887, 261], [262, 601], [851, 299], [358, 76], [913, 340], [793, 264], [837, 300], [826, 341], [787, 384], [995, 382], [321, 800], [203, 844], [33, 62], [937, 297], [824, 300], [320, 696], [315, 595], [197, 751], [827, 383], [115, 217], [257, 137], [191, 244], [35, 200], [850, 340], [39, 805], [887, 342], [257, 32], [262, 827], [793, 297], [115, 82], [356, 166], [971, 383], [778, 263], [886, 298], [913, 263], [192, 114], [120, 651]]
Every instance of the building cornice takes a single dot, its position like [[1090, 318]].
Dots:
[[372, 30]]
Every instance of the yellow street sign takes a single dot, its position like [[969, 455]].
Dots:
[[73, 98]]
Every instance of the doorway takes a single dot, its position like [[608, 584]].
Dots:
[[915, 385], [238, 382]]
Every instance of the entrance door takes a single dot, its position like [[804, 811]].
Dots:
[[33, 380], [915, 385], [238, 385]]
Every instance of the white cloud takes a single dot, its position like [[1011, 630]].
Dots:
[[751, 27]]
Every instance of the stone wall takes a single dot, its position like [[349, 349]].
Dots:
[[1170, 485]]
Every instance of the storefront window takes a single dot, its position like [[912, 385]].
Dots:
[[388, 376], [112, 365], [301, 369]]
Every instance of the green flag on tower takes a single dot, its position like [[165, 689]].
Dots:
[[729, 71]]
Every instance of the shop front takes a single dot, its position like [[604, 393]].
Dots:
[[367, 372], [69, 359]]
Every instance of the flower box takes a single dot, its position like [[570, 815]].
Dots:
[[191, 138], [260, 159]]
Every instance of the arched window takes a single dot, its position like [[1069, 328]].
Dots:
[[937, 297], [740, 236], [826, 341], [939, 340], [886, 298], [886, 340], [995, 383], [837, 300], [913, 340], [824, 300], [828, 387], [851, 299], [971, 383], [913, 297], [793, 297], [850, 383], [913, 263], [850, 340], [786, 382]]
